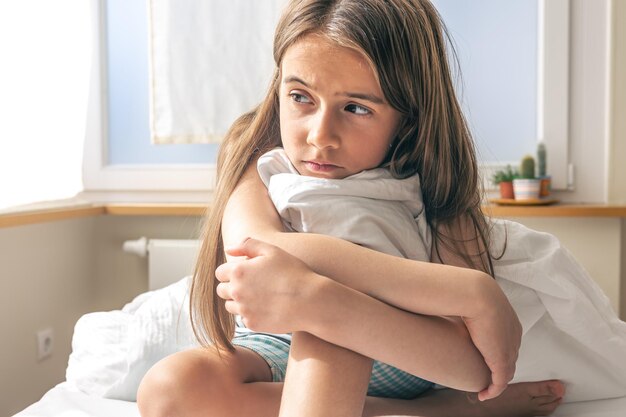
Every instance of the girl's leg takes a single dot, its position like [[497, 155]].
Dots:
[[199, 383], [526, 399], [324, 380]]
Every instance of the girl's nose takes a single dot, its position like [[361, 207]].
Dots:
[[323, 132]]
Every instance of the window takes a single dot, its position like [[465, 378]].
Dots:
[[514, 59], [44, 80], [118, 109], [545, 111]]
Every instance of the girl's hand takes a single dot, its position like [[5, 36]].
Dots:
[[267, 287], [497, 333]]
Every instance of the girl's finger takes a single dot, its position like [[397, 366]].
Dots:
[[250, 248], [232, 307], [221, 273], [491, 392], [222, 291]]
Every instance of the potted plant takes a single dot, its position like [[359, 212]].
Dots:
[[528, 186], [546, 180], [504, 179]]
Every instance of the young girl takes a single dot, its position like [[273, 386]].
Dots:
[[358, 84]]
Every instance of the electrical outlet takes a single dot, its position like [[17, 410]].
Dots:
[[45, 343]]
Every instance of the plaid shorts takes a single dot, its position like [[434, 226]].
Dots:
[[386, 381]]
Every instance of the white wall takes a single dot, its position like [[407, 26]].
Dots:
[[622, 278], [119, 275], [617, 144], [46, 279], [51, 274], [617, 124], [589, 91]]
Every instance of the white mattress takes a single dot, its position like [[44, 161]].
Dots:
[[61, 401]]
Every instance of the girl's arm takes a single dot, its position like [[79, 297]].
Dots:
[[418, 287], [276, 292]]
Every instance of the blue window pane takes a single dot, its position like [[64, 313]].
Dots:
[[496, 43], [128, 93]]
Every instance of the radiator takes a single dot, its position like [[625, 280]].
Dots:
[[169, 260]]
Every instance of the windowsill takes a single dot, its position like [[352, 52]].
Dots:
[[75, 208], [556, 210], [69, 203], [71, 208], [48, 212]]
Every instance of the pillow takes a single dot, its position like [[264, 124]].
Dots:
[[112, 351]]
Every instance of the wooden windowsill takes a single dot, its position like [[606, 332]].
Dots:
[[556, 210], [48, 215], [9, 219], [143, 209]]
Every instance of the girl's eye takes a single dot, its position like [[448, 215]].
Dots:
[[299, 98], [358, 110]]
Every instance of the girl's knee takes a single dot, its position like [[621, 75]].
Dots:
[[184, 384], [151, 394]]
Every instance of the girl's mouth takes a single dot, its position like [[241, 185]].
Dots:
[[320, 167]]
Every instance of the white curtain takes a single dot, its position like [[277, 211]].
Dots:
[[210, 61], [45, 50]]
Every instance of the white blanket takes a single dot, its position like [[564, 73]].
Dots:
[[570, 331], [111, 351]]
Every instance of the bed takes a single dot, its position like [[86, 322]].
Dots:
[[62, 401], [111, 351]]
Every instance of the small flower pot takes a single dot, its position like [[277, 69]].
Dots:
[[526, 189], [546, 186], [506, 190]]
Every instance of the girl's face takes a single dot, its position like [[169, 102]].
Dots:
[[334, 119]]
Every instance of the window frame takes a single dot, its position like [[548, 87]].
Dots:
[[553, 70], [188, 181], [553, 95]]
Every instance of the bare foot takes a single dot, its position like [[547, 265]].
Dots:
[[524, 399]]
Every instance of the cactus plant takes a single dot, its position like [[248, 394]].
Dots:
[[541, 160], [504, 175], [527, 168], [504, 179], [546, 181], [527, 187]]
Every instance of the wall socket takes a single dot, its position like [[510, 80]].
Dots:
[[45, 343]]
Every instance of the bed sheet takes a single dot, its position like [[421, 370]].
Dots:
[[62, 401]]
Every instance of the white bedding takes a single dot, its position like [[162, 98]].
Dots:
[[62, 401], [111, 351]]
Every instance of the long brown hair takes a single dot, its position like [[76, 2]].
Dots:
[[405, 42]]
